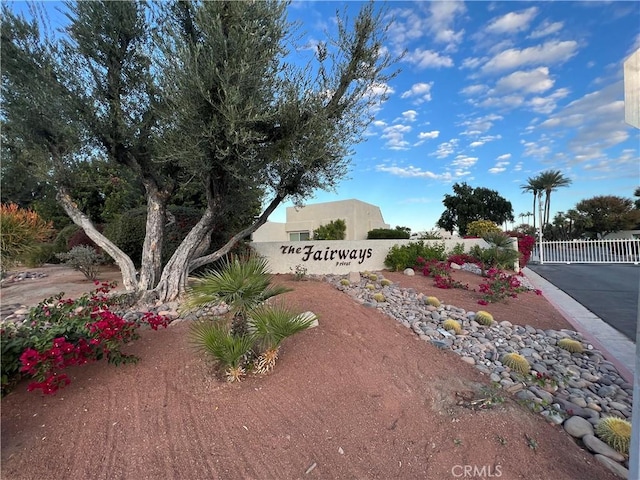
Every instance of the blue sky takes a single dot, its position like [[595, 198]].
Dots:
[[491, 93]]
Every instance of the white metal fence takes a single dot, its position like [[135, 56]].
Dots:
[[588, 251]]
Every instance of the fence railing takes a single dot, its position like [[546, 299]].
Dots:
[[588, 251]]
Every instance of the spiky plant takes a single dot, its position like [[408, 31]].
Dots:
[[516, 362], [379, 297], [241, 283], [373, 277], [215, 339], [615, 432], [451, 324], [433, 301], [270, 325], [370, 286], [344, 282], [571, 345], [483, 318], [385, 283]]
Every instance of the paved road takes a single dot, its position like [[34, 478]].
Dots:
[[609, 290]]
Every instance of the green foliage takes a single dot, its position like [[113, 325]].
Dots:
[[433, 301], [571, 345], [615, 432], [483, 318], [406, 256], [516, 362], [334, 230], [84, 259], [458, 249], [499, 254], [271, 324], [604, 214], [388, 233], [40, 254], [480, 228], [450, 324], [299, 273], [468, 204], [61, 242]]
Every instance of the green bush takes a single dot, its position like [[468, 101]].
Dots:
[[39, 255], [480, 228], [84, 259], [387, 233], [20, 230], [406, 256], [458, 249], [500, 253], [334, 230], [61, 243]]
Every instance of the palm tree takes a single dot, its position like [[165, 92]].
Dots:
[[549, 181], [534, 186]]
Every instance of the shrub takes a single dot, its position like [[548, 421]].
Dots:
[[334, 230], [387, 233], [525, 247], [61, 243], [20, 230], [40, 254], [462, 258], [480, 228], [616, 432], [458, 249], [84, 259], [499, 285], [500, 253], [406, 256], [80, 238]]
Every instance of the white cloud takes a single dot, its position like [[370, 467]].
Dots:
[[410, 115], [464, 161], [504, 102], [504, 157], [526, 81], [446, 148], [551, 52], [428, 59], [413, 172], [378, 123], [482, 140], [421, 92], [513, 22], [547, 104], [472, 62], [517, 167], [479, 125], [547, 28], [443, 15], [429, 135], [499, 167], [473, 90], [395, 137]]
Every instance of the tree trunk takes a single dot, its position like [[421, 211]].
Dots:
[[534, 211], [151, 262], [127, 268], [175, 274]]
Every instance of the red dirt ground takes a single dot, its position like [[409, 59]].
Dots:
[[358, 397]]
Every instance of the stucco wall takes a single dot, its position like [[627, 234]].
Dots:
[[337, 257], [269, 232]]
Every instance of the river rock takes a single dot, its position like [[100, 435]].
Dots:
[[596, 445], [577, 427]]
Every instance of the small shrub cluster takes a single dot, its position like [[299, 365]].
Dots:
[[480, 228], [406, 256], [20, 230], [84, 259], [440, 272], [62, 332], [499, 286], [387, 233]]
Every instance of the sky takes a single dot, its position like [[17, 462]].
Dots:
[[492, 93], [488, 93]]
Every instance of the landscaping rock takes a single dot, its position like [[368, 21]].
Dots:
[[577, 427], [615, 467], [596, 445]]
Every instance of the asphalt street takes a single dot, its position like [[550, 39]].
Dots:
[[610, 291]]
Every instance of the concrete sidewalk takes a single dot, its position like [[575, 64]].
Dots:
[[616, 347]]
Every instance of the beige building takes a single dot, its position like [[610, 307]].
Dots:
[[360, 217]]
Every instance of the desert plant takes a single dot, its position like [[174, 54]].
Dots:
[[433, 301], [299, 273], [385, 283], [516, 362], [215, 339], [571, 345], [369, 286], [615, 432], [405, 256], [373, 277], [20, 230], [344, 282], [483, 318], [451, 324], [270, 325], [480, 228], [241, 283], [379, 297], [84, 259]]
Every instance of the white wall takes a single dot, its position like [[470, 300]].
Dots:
[[339, 256], [623, 234], [270, 231]]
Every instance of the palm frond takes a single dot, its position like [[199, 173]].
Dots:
[[216, 340], [271, 324]]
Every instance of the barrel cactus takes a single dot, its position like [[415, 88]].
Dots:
[[370, 286], [373, 277], [571, 345], [433, 301], [516, 362], [483, 318], [451, 324], [344, 282], [385, 283], [615, 432], [378, 297]]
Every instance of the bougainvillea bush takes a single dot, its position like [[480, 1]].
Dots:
[[59, 333], [499, 286], [440, 272]]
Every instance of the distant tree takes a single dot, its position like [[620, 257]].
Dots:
[[605, 214], [636, 193], [567, 226], [334, 230], [534, 186], [468, 204], [479, 228], [389, 233], [550, 181]]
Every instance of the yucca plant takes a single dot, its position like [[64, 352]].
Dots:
[[242, 284], [215, 339], [270, 325]]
